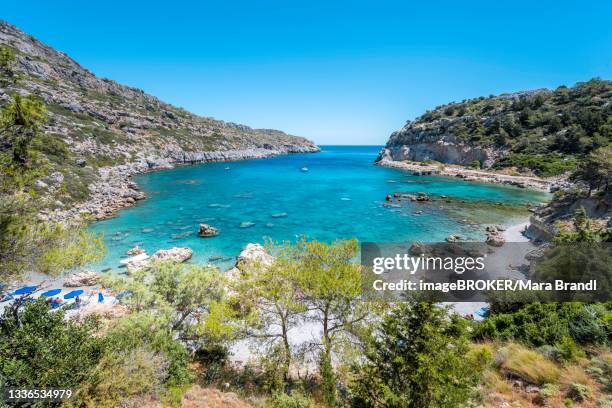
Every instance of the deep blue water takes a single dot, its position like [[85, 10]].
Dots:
[[341, 196]]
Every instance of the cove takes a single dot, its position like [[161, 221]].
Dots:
[[342, 195]]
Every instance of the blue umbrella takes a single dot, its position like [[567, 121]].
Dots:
[[74, 294], [51, 292], [100, 297], [25, 290]]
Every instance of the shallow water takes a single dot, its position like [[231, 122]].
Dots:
[[342, 195]]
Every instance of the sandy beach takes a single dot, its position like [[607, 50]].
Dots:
[[467, 174]]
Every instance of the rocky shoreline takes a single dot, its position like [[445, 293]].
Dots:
[[421, 168], [115, 190]]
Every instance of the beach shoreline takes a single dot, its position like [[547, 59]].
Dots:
[[532, 182]]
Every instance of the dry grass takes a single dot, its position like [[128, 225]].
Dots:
[[528, 365]]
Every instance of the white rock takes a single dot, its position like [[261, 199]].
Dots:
[[175, 254], [84, 278], [254, 253]]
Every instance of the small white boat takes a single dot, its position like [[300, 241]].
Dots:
[[137, 258], [304, 169], [227, 168]]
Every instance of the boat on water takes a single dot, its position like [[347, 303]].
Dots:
[[136, 258], [304, 169]]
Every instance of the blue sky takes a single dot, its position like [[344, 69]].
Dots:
[[338, 72]]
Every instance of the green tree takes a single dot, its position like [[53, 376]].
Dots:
[[272, 297], [21, 123], [596, 170], [7, 66], [417, 359], [191, 299], [332, 288], [39, 348]]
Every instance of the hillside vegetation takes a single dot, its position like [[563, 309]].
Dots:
[[94, 122], [547, 132]]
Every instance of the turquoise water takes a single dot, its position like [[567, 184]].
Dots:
[[341, 196]]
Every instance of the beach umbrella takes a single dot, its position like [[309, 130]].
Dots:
[[100, 297], [51, 292], [25, 290], [74, 294]]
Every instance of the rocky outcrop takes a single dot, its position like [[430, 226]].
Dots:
[[84, 278], [423, 142], [174, 254], [254, 254], [207, 231], [103, 132], [495, 236]]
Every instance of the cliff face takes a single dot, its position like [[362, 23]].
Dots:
[[419, 141], [95, 123]]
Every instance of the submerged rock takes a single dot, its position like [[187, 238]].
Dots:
[[208, 231]]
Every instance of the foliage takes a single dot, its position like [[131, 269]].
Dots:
[[149, 332], [295, 400], [191, 299], [332, 290], [418, 358], [120, 377], [583, 231], [270, 297], [539, 324], [579, 392], [41, 349], [596, 170], [548, 132]]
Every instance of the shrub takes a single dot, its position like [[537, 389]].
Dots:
[[539, 324], [579, 392], [122, 377], [43, 350], [548, 391], [295, 400], [417, 358], [527, 364], [475, 164]]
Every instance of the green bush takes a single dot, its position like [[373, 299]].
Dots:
[[295, 400], [579, 392], [539, 324]]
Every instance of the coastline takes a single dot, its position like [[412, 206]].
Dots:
[[531, 182], [115, 190]]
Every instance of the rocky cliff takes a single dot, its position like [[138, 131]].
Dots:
[[540, 131], [98, 128]]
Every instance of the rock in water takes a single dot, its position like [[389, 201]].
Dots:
[[453, 238], [85, 278], [495, 240], [246, 224], [136, 251], [208, 231], [174, 254], [495, 237]]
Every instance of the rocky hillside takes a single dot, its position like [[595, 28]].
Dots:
[[96, 124], [541, 131]]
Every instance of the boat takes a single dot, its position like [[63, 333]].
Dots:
[[304, 169], [136, 258]]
